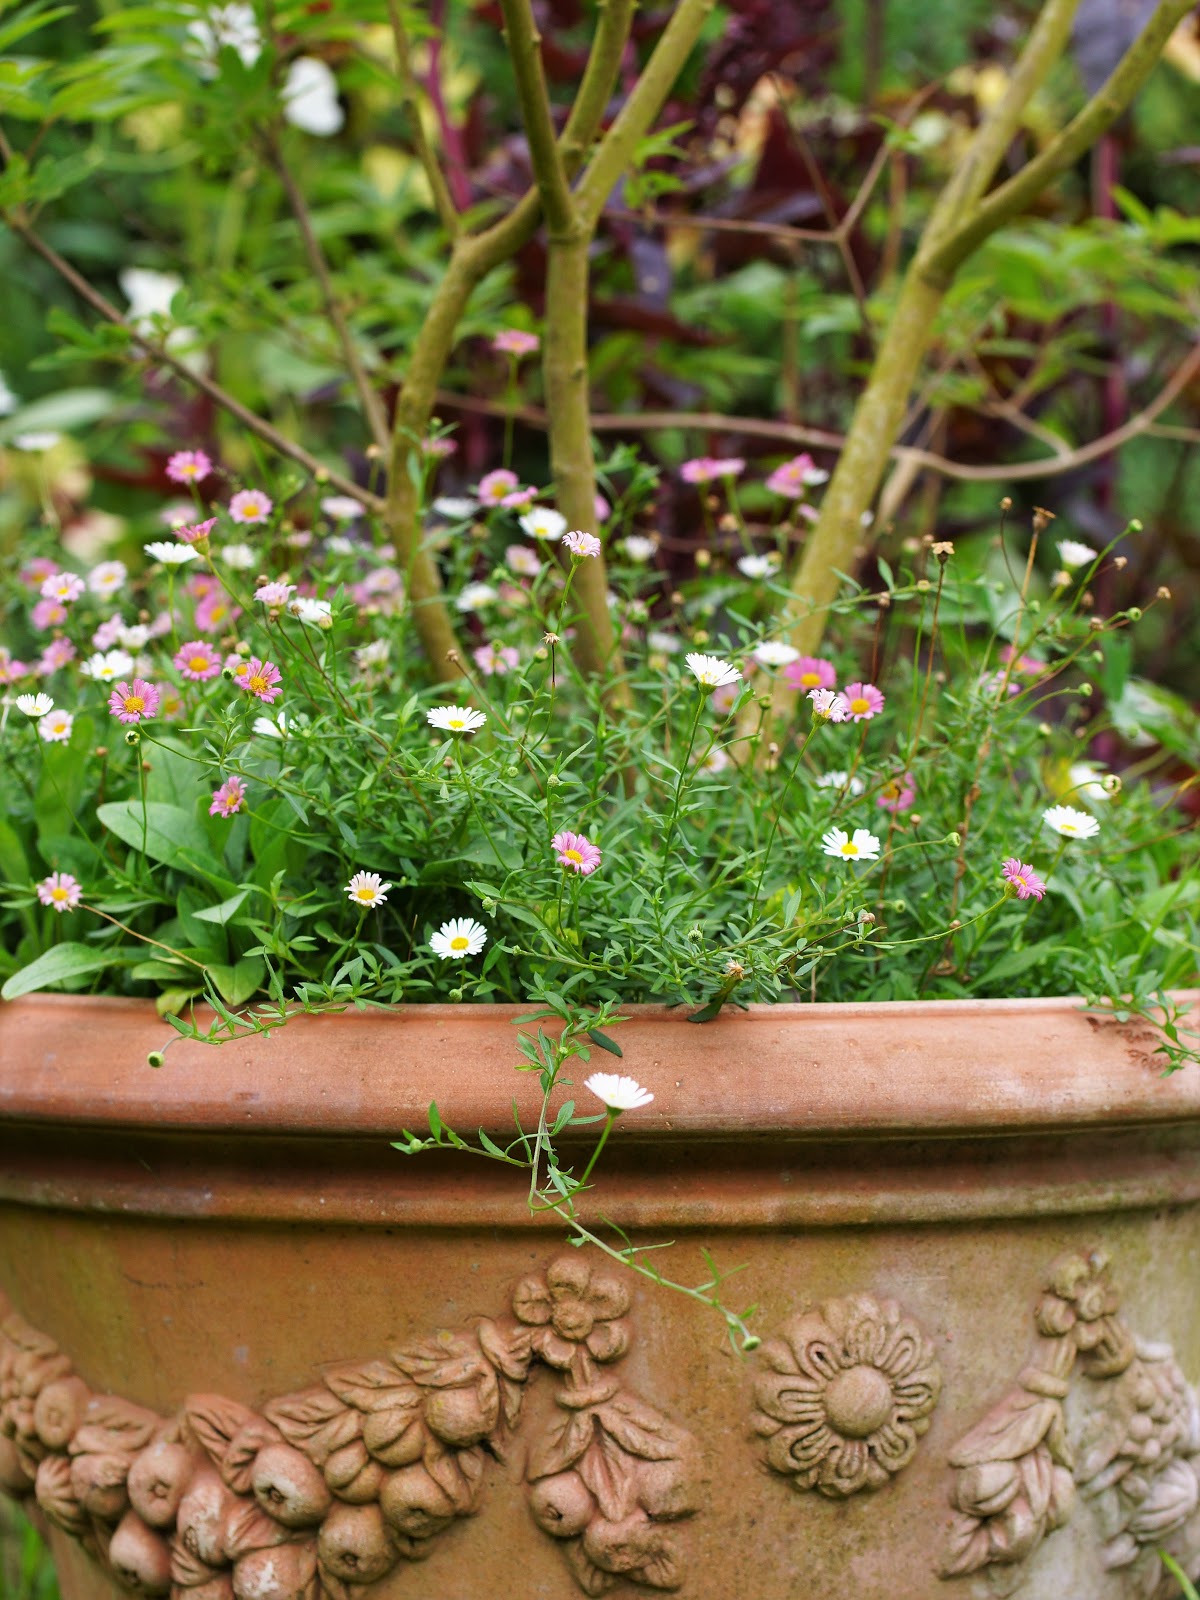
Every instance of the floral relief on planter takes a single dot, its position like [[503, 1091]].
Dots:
[[850, 1391], [327, 1490], [1138, 1463]]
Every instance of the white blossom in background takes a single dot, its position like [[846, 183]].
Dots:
[[36, 443], [149, 294], [310, 98], [8, 400], [233, 25]]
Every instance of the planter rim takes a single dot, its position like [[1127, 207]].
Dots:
[[876, 1068]]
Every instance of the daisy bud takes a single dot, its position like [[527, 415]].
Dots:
[[456, 994], [772, 749], [884, 600], [1061, 579], [1120, 562], [1006, 503], [700, 636], [1041, 519], [321, 475], [372, 452], [1134, 613], [695, 934], [155, 1058], [734, 969], [1098, 657], [1087, 600], [132, 736], [915, 819], [1111, 783], [453, 657], [703, 559], [922, 585], [541, 654], [550, 638], [1085, 689], [676, 598], [489, 905], [100, 751], [954, 838], [1045, 730], [1096, 624], [955, 922], [553, 781], [712, 502], [943, 549], [1162, 593], [1135, 526]]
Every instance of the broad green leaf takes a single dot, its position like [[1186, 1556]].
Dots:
[[237, 983], [64, 961], [166, 833], [222, 913]]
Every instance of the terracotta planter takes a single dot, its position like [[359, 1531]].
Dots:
[[972, 1232]]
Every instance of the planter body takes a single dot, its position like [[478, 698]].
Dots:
[[971, 1230]]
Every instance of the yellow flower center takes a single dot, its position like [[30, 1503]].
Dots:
[[574, 855], [188, 471], [257, 684], [198, 663], [365, 893], [810, 680], [859, 704], [849, 848], [59, 893], [457, 722], [251, 508], [135, 702], [459, 942]]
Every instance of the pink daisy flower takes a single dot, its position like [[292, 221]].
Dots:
[[134, 702], [63, 587], [576, 853], [602, 508], [261, 679], [215, 612], [197, 661], [495, 660], [275, 594], [898, 793], [706, 469], [439, 448], [195, 532], [863, 701], [60, 890], [516, 342], [48, 614], [11, 669], [1022, 880], [828, 705], [189, 466], [55, 656], [810, 672], [581, 544], [229, 799], [108, 633], [795, 476], [34, 573], [502, 488], [251, 505]]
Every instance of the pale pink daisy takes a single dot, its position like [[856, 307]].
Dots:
[[861, 845], [503, 488], [134, 702], [215, 612], [275, 594], [828, 705], [515, 342], [863, 701], [108, 633], [48, 614], [519, 558], [197, 661], [55, 656], [228, 799], [11, 669], [1022, 880], [367, 889], [60, 890], [576, 853], [250, 505], [602, 508], [810, 672], [55, 727], [496, 660], [34, 573], [898, 793], [188, 466], [64, 587], [706, 469], [261, 679], [106, 578], [581, 544], [195, 532], [792, 478], [439, 448]]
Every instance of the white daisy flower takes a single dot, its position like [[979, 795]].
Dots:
[[1070, 823], [170, 552], [35, 705], [1090, 783], [455, 719], [710, 671], [108, 665], [618, 1092], [107, 578], [276, 727], [1072, 554], [317, 613], [367, 889], [459, 938], [764, 566], [543, 522], [455, 507], [840, 780], [237, 557], [369, 657], [35, 443], [55, 727], [666, 644], [475, 596], [774, 653], [310, 98], [8, 400], [342, 507], [714, 760], [859, 846], [639, 548]]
